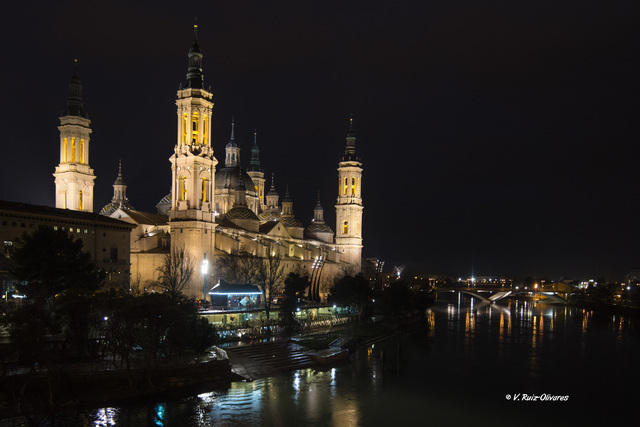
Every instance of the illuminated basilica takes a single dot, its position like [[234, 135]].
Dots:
[[216, 209]]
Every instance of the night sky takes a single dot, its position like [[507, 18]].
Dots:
[[498, 137]]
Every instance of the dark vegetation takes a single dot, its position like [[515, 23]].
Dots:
[[396, 299], [70, 326]]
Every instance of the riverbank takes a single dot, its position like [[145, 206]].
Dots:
[[314, 349], [72, 389], [54, 390], [457, 371]]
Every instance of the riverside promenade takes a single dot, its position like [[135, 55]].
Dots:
[[254, 361]]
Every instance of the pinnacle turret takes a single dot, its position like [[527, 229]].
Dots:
[[75, 106], [350, 145], [318, 212], [254, 162], [195, 75], [232, 149]]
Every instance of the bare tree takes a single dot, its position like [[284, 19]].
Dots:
[[267, 272], [176, 272], [270, 276], [240, 267]]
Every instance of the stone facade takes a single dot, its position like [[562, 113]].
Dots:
[[217, 211]]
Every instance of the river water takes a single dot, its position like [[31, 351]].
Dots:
[[455, 371]]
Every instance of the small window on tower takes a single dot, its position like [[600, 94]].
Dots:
[[194, 128], [204, 130], [346, 186], [64, 150], [204, 190], [183, 188], [73, 150], [82, 150], [345, 227], [80, 201], [353, 186], [184, 128]]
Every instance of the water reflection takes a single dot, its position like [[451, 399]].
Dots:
[[467, 351]]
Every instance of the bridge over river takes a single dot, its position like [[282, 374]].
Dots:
[[495, 295]]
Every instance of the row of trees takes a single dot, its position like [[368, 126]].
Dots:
[[397, 298]]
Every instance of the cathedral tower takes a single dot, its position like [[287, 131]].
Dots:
[[256, 173], [74, 176], [191, 217], [349, 204]]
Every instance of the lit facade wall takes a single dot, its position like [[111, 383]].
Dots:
[[106, 240]]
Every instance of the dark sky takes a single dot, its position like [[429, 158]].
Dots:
[[497, 136]]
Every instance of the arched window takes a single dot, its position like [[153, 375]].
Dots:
[[194, 127], [353, 186], [204, 190], [346, 186], [73, 150], [184, 128], [183, 188], [82, 150], [204, 130], [64, 151], [80, 201], [345, 227]]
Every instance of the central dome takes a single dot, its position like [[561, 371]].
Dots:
[[233, 178]]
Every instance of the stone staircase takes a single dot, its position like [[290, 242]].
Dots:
[[259, 360]]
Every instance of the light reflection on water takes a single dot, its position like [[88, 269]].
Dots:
[[468, 352]]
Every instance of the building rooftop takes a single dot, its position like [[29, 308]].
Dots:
[[68, 214], [147, 217], [225, 288]]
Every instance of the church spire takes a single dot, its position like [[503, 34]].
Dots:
[[75, 105], [287, 196], [254, 162], [350, 145], [119, 188], [287, 203], [272, 196], [119, 199], [232, 137], [232, 150], [272, 190], [119, 179], [318, 212], [195, 75]]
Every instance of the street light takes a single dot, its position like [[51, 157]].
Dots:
[[205, 269]]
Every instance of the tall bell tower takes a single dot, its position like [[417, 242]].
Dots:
[[191, 217], [74, 176], [349, 204]]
